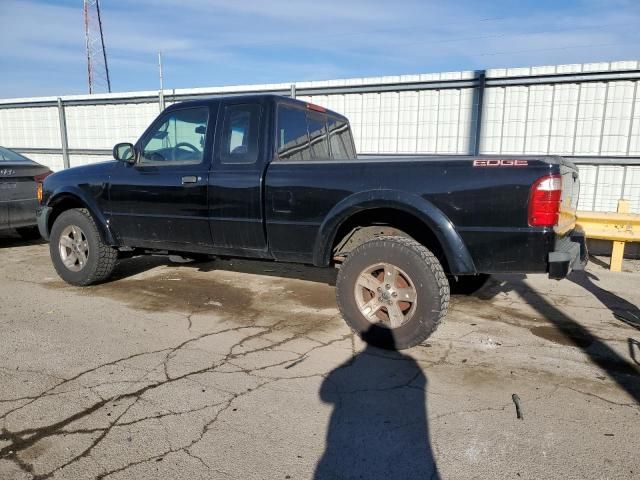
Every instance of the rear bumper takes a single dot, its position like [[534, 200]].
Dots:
[[570, 253], [42, 217]]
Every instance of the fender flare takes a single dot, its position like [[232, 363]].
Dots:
[[454, 248], [90, 204]]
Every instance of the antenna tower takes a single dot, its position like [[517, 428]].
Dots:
[[97, 67]]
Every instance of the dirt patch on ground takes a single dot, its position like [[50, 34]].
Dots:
[[250, 291], [568, 337], [170, 292]]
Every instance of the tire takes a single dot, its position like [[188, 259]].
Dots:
[[468, 284], [417, 274], [29, 233], [79, 229]]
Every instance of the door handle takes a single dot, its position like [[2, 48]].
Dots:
[[190, 179]]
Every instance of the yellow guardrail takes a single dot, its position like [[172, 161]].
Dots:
[[619, 227]]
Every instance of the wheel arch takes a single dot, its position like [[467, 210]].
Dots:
[[72, 198], [388, 212]]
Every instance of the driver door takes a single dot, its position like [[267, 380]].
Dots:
[[161, 200]]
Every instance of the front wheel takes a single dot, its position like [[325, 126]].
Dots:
[[78, 253], [392, 292]]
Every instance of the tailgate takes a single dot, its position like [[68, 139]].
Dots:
[[569, 198]]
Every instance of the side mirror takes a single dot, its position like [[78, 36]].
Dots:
[[124, 152]]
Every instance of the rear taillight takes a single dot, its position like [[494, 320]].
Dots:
[[544, 201], [39, 180]]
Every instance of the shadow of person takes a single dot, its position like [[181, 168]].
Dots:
[[378, 427], [622, 309]]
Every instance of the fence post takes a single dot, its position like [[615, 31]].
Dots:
[[161, 100], [63, 135], [478, 104], [617, 253]]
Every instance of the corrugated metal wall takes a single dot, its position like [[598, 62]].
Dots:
[[531, 112], [428, 121]]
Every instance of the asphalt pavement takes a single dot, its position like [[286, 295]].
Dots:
[[245, 370]]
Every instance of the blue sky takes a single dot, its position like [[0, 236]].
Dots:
[[224, 42]]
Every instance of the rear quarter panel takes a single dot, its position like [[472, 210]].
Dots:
[[487, 207]]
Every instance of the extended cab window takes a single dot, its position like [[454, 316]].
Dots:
[[310, 135], [340, 139], [178, 138], [240, 134], [293, 138], [317, 126]]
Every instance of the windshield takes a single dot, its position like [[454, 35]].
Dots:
[[7, 155]]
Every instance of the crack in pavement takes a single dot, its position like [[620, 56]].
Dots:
[[21, 440]]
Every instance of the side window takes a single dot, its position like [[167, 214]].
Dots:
[[340, 140], [179, 137], [293, 138], [317, 126], [239, 143]]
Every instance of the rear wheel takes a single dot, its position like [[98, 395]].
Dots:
[[392, 292], [78, 253], [29, 233]]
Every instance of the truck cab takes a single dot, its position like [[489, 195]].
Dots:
[[196, 179]]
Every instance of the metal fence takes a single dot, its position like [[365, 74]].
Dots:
[[587, 112]]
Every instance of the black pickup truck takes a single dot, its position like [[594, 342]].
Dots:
[[273, 178]]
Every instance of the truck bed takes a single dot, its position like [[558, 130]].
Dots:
[[485, 205]]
